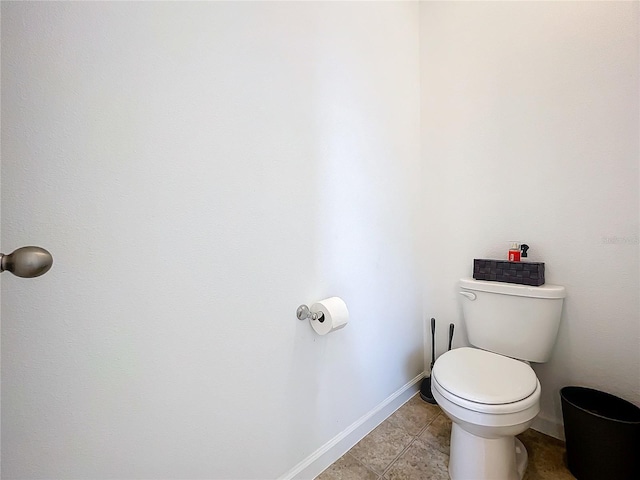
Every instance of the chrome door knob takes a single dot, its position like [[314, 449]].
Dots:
[[27, 262]]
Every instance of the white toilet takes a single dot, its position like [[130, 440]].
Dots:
[[490, 393]]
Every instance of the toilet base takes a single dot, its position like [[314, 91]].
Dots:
[[478, 458]]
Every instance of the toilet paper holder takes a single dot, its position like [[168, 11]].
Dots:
[[303, 312]]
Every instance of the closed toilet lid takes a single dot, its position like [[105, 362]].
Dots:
[[484, 377]]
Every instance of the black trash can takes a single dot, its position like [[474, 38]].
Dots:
[[602, 435]]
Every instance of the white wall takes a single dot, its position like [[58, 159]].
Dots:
[[199, 170], [530, 132]]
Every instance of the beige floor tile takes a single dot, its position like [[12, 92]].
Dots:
[[414, 415], [347, 468], [420, 462], [384, 451], [378, 449], [438, 434], [546, 457]]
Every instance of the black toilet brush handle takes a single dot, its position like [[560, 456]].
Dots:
[[451, 327], [433, 341]]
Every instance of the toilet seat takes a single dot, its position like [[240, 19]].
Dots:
[[486, 382]]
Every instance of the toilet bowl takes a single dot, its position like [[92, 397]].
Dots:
[[490, 398]]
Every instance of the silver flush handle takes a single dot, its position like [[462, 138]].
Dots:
[[469, 295]]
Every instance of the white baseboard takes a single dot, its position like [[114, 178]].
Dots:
[[318, 461], [548, 427]]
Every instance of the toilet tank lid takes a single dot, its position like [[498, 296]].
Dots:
[[544, 291]]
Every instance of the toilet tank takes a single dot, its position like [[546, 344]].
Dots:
[[514, 320]]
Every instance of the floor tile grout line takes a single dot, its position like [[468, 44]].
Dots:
[[386, 470], [379, 475], [391, 464], [402, 452]]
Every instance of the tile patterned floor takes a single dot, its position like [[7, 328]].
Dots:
[[413, 444]]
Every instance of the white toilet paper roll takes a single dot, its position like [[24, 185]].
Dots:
[[334, 315]]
